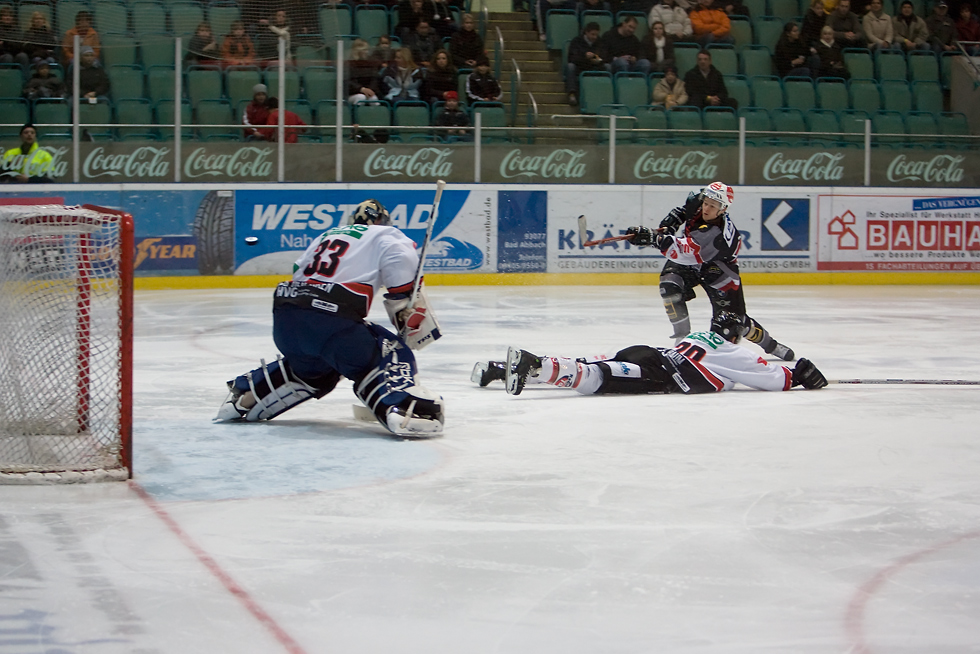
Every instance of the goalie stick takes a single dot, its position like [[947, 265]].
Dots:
[[931, 382], [440, 185], [583, 232]]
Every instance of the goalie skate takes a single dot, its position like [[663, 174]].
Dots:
[[485, 372], [520, 365]]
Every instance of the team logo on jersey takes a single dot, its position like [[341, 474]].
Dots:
[[564, 382]]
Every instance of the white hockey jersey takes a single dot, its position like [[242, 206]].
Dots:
[[719, 365]]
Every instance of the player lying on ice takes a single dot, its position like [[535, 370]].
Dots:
[[703, 362], [319, 327], [701, 244]]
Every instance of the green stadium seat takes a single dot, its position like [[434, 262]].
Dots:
[[52, 112], [789, 120], [492, 114], [832, 95], [240, 80], [164, 112], [134, 112], [292, 82], [739, 89], [723, 58], [603, 18], [852, 125], [320, 83], [859, 63], [371, 21], [412, 114], [624, 128], [16, 111], [768, 29], [823, 125], [157, 50], [302, 109], [757, 119], [335, 20], [215, 112], [632, 90], [126, 81], [96, 116], [308, 56], [923, 66], [865, 95], [787, 10], [11, 81], [651, 117], [756, 61], [65, 18], [741, 31], [595, 90], [687, 122], [160, 83], [111, 17], [953, 124], [767, 92], [888, 123], [928, 96], [686, 57], [757, 7], [946, 67], [375, 114], [891, 66], [202, 84], [922, 129], [221, 16], [896, 96], [119, 49], [721, 119], [185, 17], [562, 25], [800, 93], [148, 17]]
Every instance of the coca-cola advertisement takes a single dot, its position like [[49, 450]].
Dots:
[[818, 166], [545, 164], [675, 165], [408, 162], [941, 168]]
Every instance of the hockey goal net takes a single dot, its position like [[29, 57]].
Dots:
[[65, 344]]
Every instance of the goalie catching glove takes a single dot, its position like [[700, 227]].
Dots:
[[417, 325]]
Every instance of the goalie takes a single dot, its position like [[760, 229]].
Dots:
[[320, 327], [703, 362]]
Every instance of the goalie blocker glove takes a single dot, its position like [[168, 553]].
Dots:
[[805, 374]]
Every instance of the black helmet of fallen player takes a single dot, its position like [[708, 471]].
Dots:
[[728, 325], [370, 212]]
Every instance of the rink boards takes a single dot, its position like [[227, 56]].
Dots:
[[194, 235]]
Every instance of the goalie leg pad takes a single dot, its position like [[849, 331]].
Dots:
[[393, 393], [269, 390]]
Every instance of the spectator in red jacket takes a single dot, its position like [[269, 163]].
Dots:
[[256, 113], [289, 118], [968, 30]]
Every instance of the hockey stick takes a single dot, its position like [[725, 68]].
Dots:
[[440, 185], [931, 382], [583, 231]]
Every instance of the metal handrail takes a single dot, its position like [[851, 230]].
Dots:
[[532, 116], [516, 83], [498, 54]]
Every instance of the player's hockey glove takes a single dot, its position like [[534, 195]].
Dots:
[[674, 219], [642, 236], [805, 374], [663, 241]]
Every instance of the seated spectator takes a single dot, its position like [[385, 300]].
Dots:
[[466, 45], [792, 54], [705, 85], [658, 48], [288, 117], [402, 80], [203, 49], [735, 8], [592, 5], [12, 46], [879, 29], [237, 49], [830, 55], [256, 113], [383, 52], [620, 49], [582, 56], [813, 23], [670, 91], [363, 81], [29, 163], [440, 79], [87, 35], [39, 40], [968, 30], [423, 43], [92, 79], [411, 13], [910, 30], [453, 116], [481, 85], [676, 21], [847, 26], [43, 84], [541, 9], [267, 33], [442, 23], [942, 29], [711, 25]]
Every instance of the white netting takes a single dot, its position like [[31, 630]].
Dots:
[[60, 320]]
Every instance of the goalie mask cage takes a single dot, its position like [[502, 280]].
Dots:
[[66, 298]]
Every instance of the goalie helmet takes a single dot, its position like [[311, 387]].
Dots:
[[728, 325], [370, 212], [721, 193]]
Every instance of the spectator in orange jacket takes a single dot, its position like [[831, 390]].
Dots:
[[88, 36], [289, 118], [711, 25], [237, 49]]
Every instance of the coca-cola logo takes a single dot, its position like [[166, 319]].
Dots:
[[147, 161], [690, 165], [819, 166], [559, 164], [244, 162], [33, 166], [424, 162], [941, 168]]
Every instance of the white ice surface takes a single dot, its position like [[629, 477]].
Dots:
[[844, 520]]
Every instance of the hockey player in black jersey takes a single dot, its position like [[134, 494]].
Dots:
[[701, 244], [703, 362]]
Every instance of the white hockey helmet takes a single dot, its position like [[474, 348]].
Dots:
[[370, 212], [721, 193]]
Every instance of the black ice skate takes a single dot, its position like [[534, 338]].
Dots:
[[520, 364], [781, 351], [485, 372]]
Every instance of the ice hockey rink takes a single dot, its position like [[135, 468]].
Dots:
[[845, 520]]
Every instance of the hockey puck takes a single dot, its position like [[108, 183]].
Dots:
[[251, 240]]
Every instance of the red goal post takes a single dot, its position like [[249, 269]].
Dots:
[[66, 350]]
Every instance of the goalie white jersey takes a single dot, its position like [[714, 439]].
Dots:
[[708, 362]]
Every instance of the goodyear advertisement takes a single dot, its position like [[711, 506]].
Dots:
[[202, 229]]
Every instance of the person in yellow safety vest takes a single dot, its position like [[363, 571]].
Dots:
[[29, 163]]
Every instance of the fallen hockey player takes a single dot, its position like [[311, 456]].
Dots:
[[703, 362], [319, 327]]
